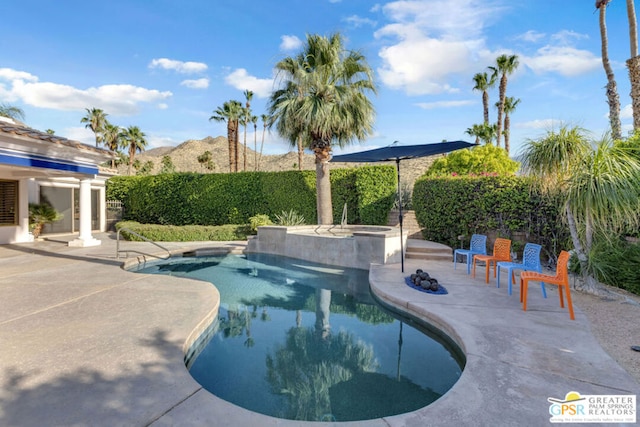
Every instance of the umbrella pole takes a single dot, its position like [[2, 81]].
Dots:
[[400, 217]]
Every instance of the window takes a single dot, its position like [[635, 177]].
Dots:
[[8, 202]]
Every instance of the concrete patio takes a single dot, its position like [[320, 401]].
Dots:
[[86, 343]]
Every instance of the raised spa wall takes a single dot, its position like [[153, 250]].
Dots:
[[355, 246]]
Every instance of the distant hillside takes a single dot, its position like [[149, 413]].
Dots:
[[185, 159]]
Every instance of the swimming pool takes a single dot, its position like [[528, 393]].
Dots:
[[305, 341]]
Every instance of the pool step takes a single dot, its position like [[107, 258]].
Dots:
[[431, 251]]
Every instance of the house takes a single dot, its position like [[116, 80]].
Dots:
[[37, 167]]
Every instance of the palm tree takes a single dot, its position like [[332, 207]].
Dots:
[[95, 120], [597, 185], [613, 99], [254, 120], [483, 132], [11, 111], [484, 82], [324, 99], [475, 131], [633, 64], [246, 118], [230, 113], [510, 104], [112, 139], [135, 140], [505, 66], [266, 123]]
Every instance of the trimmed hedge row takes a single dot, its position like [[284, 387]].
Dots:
[[452, 206], [186, 233], [216, 199]]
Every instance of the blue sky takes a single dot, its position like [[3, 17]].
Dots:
[[165, 65]]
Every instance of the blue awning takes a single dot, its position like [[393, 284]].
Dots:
[[42, 162]]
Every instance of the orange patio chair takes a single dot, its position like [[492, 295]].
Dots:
[[561, 279], [501, 252]]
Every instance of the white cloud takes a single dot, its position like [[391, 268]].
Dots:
[[241, 80], [163, 106], [430, 44], [115, 99], [421, 65], [531, 36], [565, 60], [188, 67], [11, 75], [81, 134], [443, 104], [202, 83], [627, 112], [544, 124], [357, 21], [567, 37], [289, 43]]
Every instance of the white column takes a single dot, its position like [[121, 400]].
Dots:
[[85, 238]]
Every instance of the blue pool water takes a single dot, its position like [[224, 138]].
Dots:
[[305, 341]]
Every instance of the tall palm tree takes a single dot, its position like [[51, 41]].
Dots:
[[230, 113], [484, 82], [266, 123], [324, 99], [613, 99], [505, 66], [135, 141], [254, 120], [95, 120], [11, 111], [633, 63], [510, 104], [112, 139], [598, 187], [248, 95]]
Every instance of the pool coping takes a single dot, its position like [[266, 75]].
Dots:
[[515, 360]]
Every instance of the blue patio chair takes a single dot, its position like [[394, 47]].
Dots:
[[478, 246], [530, 262]]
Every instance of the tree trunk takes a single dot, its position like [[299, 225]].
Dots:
[[613, 99], [323, 186], [587, 283], [485, 104], [230, 143], [633, 65], [503, 92], [244, 154], [236, 147], [507, 124], [300, 152], [633, 31]]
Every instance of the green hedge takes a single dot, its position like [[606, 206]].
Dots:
[[216, 199], [449, 207], [186, 233]]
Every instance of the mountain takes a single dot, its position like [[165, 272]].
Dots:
[[185, 159]]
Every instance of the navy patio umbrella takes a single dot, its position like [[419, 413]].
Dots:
[[397, 153]]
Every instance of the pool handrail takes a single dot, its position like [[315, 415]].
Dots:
[[128, 230]]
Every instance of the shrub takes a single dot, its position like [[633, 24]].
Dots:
[[289, 218], [259, 220], [186, 233], [481, 160]]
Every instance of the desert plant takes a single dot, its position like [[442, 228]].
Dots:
[[290, 218], [41, 214]]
